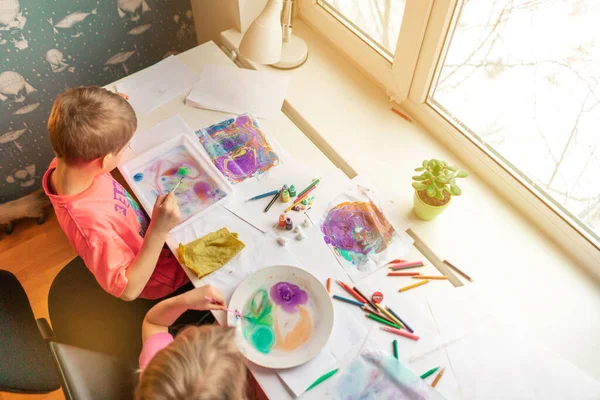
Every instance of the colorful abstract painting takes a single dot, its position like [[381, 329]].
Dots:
[[238, 148], [374, 375], [280, 318], [359, 234], [196, 191]]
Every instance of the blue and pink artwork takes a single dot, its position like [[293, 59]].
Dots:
[[238, 148]]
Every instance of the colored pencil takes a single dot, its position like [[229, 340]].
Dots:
[[414, 285], [365, 297], [329, 285], [352, 292], [406, 117], [403, 273], [429, 373], [396, 261], [395, 347], [322, 378], [401, 332], [273, 200], [398, 268], [438, 377], [390, 316], [382, 321], [378, 315], [467, 277], [400, 319], [261, 196], [349, 301], [434, 277], [406, 264], [313, 183], [299, 199]]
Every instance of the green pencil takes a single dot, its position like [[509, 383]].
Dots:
[[395, 345], [383, 321], [429, 373], [313, 183], [322, 378]]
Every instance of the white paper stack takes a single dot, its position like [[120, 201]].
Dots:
[[237, 90]]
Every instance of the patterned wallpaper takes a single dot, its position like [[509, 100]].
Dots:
[[47, 46]]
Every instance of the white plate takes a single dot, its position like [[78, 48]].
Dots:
[[318, 305]]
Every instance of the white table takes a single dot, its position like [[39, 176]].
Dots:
[[302, 149]]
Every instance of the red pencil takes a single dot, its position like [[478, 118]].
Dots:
[[403, 273], [406, 117], [405, 264], [396, 261], [401, 332], [352, 292]]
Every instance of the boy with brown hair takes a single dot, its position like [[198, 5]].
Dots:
[[89, 129]]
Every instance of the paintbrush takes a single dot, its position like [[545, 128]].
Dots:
[[235, 312], [176, 186]]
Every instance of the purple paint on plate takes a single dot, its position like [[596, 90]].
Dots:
[[288, 296]]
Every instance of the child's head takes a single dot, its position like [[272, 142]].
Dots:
[[202, 363], [91, 124]]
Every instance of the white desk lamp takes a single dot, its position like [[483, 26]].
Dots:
[[269, 39]]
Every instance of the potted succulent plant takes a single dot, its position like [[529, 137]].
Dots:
[[434, 188]]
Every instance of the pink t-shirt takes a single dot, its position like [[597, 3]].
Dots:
[[106, 227], [153, 345]]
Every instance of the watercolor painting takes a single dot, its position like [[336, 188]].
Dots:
[[238, 148], [280, 318], [359, 234], [194, 193], [374, 375]]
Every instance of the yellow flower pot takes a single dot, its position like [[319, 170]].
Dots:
[[425, 211]]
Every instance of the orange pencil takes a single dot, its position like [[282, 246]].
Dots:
[[438, 377], [439, 278], [352, 292], [414, 285], [406, 117], [403, 273], [329, 285]]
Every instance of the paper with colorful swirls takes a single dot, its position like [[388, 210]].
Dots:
[[238, 148]]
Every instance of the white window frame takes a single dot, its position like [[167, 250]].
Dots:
[[408, 79]]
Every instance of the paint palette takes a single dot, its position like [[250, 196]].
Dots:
[[288, 316], [161, 170]]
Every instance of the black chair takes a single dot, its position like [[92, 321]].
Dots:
[[33, 361]]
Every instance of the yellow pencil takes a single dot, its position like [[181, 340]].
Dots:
[[414, 285], [439, 278], [438, 377], [389, 315]]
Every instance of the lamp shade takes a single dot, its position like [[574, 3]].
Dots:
[[263, 40]]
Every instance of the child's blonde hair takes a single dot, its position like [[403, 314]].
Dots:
[[202, 363], [87, 123]]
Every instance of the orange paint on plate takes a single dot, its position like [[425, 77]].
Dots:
[[297, 336]]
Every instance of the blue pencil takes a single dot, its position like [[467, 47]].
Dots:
[[350, 301], [400, 319], [260, 196]]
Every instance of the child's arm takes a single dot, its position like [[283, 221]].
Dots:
[[163, 314], [165, 217]]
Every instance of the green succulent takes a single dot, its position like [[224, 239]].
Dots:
[[438, 177]]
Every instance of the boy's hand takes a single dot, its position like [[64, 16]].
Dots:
[[165, 215], [197, 298]]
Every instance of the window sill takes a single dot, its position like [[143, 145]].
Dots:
[[348, 117]]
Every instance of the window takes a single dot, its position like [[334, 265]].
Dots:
[[514, 82], [522, 77], [376, 21]]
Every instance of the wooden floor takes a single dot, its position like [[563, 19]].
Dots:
[[35, 254]]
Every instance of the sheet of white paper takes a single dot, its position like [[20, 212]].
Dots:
[[152, 87], [290, 172], [345, 335], [496, 366], [238, 90], [459, 311], [160, 133]]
